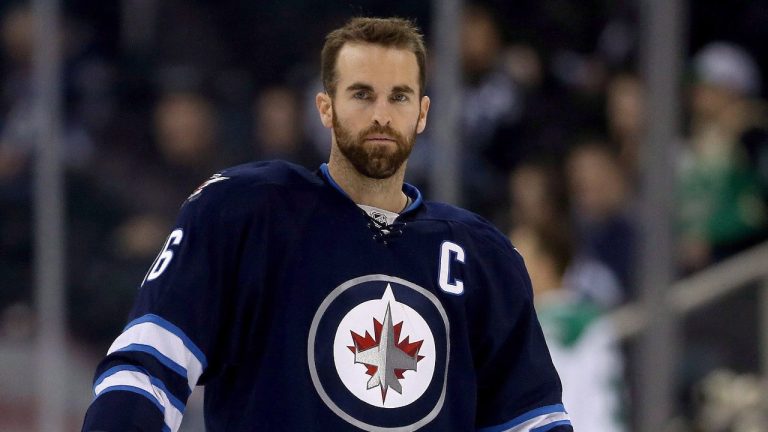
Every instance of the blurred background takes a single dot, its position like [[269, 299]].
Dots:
[[621, 145]]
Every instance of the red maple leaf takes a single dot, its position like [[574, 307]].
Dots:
[[367, 342]]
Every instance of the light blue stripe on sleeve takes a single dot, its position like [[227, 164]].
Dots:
[[170, 364], [138, 391], [550, 409]]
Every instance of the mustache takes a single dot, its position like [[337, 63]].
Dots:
[[380, 129]]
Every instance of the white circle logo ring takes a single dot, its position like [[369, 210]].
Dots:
[[396, 322]]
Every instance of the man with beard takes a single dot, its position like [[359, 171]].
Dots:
[[337, 300]]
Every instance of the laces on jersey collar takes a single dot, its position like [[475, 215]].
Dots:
[[383, 232]]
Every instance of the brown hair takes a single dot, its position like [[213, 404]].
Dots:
[[388, 32]]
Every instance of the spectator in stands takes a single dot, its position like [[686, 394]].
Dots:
[[536, 194], [186, 154], [182, 153], [580, 341], [539, 201], [625, 107], [491, 108], [276, 115], [721, 206], [130, 217], [599, 194], [544, 122]]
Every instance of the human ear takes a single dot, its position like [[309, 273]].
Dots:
[[424, 109], [325, 108]]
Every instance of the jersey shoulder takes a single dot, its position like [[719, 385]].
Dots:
[[468, 223], [278, 172], [246, 185]]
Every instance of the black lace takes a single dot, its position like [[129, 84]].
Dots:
[[383, 232]]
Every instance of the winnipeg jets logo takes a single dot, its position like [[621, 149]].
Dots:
[[385, 358], [213, 179], [378, 353], [381, 360]]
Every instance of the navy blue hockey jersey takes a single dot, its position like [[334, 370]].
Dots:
[[298, 311]]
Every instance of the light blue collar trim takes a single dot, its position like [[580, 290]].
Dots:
[[415, 196], [411, 191], [331, 181]]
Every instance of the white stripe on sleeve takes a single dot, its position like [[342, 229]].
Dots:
[[141, 381], [165, 342], [539, 421]]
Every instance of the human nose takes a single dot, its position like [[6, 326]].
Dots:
[[381, 113]]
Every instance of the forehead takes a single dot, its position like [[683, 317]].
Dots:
[[376, 65]]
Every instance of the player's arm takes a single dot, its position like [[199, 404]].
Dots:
[[518, 387], [152, 367]]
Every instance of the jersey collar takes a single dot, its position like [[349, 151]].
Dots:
[[410, 190]]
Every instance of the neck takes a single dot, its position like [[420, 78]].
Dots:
[[385, 193]]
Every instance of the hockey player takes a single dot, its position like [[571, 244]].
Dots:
[[337, 300]]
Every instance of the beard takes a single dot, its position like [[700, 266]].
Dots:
[[374, 160]]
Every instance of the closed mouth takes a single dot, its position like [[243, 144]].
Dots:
[[379, 138]]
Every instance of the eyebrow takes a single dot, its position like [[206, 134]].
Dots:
[[360, 86], [403, 89], [396, 89]]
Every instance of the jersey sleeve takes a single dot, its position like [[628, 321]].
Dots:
[[172, 341], [518, 387]]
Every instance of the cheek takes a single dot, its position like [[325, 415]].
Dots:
[[350, 118], [409, 120]]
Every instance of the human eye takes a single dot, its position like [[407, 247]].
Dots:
[[362, 95], [400, 97]]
